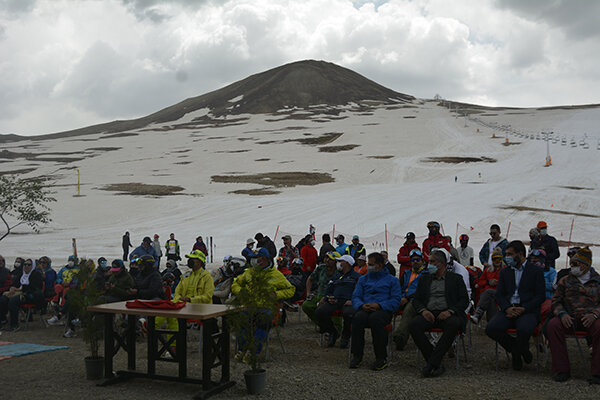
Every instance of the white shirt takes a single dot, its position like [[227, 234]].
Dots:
[[462, 271], [465, 255]]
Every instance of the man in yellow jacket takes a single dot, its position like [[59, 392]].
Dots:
[[198, 287], [282, 289]]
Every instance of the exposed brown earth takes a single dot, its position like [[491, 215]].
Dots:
[[458, 160], [547, 210], [277, 179], [336, 149], [142, 189]]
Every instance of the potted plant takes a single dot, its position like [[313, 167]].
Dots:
[[86, 293], [260, 306]]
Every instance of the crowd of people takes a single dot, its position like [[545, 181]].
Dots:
[[344, 291]]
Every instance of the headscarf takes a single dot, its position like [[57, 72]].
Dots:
[[25, 276]]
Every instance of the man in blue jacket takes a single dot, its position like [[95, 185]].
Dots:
[[520, 294], [338, 296], [376, 297], [145, 249]]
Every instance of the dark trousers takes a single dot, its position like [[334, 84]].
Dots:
[[558, 344], [12, 305], [125, 253], [433, 355], [524, 325], [376, 320], [323, 317]]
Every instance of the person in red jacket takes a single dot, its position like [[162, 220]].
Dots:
[[308, 253], [434, 240], [486, 286], [404, 253]]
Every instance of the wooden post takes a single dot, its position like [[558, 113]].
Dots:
[[74, 247], [508, 230], [333, 232], [212, 250], [456, 235], [386, 241], [276, 232]]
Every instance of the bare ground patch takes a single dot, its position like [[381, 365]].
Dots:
[[336, 149], [143, 189], [119, 135], [18, 171], [256, 192], [576, 188], [381, 157], [458, 160], [409, 116], [183, 162], [510, 144], [262, 159], [233, 151], [325, 138], [277, 179], [547, 210]]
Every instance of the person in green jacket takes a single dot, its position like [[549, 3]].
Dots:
[[118, 284], [321, 275]]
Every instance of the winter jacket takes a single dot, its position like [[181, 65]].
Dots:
[[142, 251], [309, 255], [198, 286], [150, 286], [268, 244], [341, 286], [549, 275], [280, 285], [284, 270], [200, 246], [5, 280], [49, 281], [484, 253], [126, 243], [436, 241], [377, 287], [457, 298], [325, 248], [66, 275], [356, 251], [157, 249], [575, 298], [247, 253], [123, 282], [289, 253], [35, 283], [172, 247], [361, 270], [321, 276], [489, 273], [409, 288], [223, 289], [403, 257], [551, 248], [390, 267], [341, 248]]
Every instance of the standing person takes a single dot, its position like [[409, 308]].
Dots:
[[576, 307], [485, 254], [520, 294], [309, 256], [465, 252], [172, 248], [326, 247], [376, 297], [486, 285], [144, 249], [157, 248], [549, 244], [126, 243], [440, 300], [434, 239], [356, 248], [266, 243], [341, 245], [200, 245], [388, 265], [403, 257], [247, 251], [288, 251]]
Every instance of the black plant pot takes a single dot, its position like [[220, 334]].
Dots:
[[256, 380], [94, 368]]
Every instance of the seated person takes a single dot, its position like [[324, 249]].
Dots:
[[408, 284], [520, 294], [282, 265], [576, 306], [49, 276], [5, 279], [361, 264], [26, 288], [322, 275], [338, 296], [487, 283], [440, 300], [149, 285], [298, 279], [376, 297], [173, 269], [101, 273], [282, 289], [118, 283], [233, 268], [538, 258]]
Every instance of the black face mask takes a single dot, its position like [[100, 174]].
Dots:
[[190, 263]]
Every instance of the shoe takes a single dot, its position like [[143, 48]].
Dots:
[[527, 357], [333, 336], [475, 319], [69, 334], [562, 377], [76, 322], [378, 365], [355, 362], [55, 321], [344, 342], [594, 380], [13, 329], [517, 362], [435, 372]]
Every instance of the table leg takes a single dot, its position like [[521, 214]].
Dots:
[[131, 325], [182, 347], [109, 346], [225, 348], [152, 346], [207, 354]]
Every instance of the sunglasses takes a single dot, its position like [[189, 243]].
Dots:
[[415, 259], [28, 264]]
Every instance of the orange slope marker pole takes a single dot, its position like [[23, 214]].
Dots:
[[276, 232], [508, 230], [333, 234], [569, 246], [386, 242]]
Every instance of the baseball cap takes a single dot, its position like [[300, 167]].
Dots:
[[355, 237], [334, 255], [116, 265], [347, 258], [542, 224], [197, 254], [286, 237], [249, 241], [261, 252], [340, 236]]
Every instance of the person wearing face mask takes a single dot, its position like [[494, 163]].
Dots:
[[17, 266], [67, 273], [376, 297], [576, 307], [361, 265], [321, 276], [495, 240], [486, 284], [356, 249], [408, 284], [549, 244], [520, 294], [440, 302], [26, 289], [309, 255], [149, 285], [288, 251], [537, 257], [338, 296], [247, 251]]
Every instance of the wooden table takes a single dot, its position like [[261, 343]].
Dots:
[[215, 344]]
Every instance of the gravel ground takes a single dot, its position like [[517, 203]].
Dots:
[[305, 371]]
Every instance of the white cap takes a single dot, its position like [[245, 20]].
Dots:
[[249, 241], [347, 258]]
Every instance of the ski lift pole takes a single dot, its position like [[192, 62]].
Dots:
[[212, 251], [78, 185], [508, 230], [386, 241], [569, 246], [74, 243]]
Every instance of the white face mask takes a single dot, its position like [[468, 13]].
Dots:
[[370, 268], [313, 243], [254, 263], [339, 266], [576, 271], [17, 265], [543, 231], [71, 264]]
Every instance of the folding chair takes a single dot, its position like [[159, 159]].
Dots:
[[276, 327], [28, 310], [536, 335]]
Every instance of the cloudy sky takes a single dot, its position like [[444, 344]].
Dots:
[[65, 64]]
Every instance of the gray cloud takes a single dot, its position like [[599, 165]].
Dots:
[[14, 7]]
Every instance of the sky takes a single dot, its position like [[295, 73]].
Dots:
[[65, 64]]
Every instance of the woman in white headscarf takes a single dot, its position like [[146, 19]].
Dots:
[[30, 282]]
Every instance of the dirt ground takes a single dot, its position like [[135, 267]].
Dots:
[[304, 371]]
